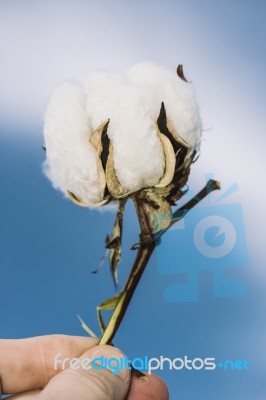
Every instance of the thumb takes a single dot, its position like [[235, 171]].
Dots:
[[99, 374]]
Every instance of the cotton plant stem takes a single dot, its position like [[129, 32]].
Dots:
[[181, 212], [143, 255], [145, 250]]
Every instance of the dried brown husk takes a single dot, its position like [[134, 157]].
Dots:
[[75, 199], [114, 186], [170, 161], [97, 142], [180, 73]]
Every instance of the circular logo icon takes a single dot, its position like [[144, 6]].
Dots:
[[223, 228]]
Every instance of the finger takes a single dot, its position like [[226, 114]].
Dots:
[[26, 395], [149, 387], [28, 364], [96, 384]]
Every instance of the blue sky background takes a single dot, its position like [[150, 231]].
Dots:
[[49, 246]]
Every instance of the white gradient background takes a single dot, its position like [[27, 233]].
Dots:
[[222, 45]]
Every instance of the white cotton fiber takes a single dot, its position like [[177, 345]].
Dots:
[[138, 153], [71, 159], [178, 97], [132, 102]]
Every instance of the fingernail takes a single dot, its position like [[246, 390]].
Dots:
[[112, 360]]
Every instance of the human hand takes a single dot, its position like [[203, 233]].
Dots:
[[27, 370]]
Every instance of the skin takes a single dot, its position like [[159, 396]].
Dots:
[[27, 370]]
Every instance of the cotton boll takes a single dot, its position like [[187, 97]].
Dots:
[[71, 159], [138, 153], [131, 102]]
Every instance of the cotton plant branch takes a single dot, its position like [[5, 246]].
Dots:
[[182, 211], [118, 137], [145, 249]]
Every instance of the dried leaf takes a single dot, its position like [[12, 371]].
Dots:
[[100, 141], [86, 328], [160, 216], [96, 137], [109, 304], [181, 147], [115, 303], [163, 191], [114, 242], [81, 203], [170, 161], [101, 263], [115, 188], [179, 181], [180, 73], [105, 145], [166, 129]]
